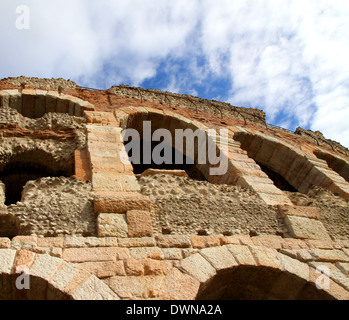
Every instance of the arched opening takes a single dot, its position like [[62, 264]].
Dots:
[[38, 289], [30, 165], [259, 283], [187, 165], [36, 103], [283, 165], [154, 140], [336, 164], [279, 181]]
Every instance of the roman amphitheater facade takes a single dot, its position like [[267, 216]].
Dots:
[[84, 221]]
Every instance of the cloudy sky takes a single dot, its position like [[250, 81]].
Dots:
[[286, 57]]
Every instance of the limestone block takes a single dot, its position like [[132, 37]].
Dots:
[[121, 118], [137, 242], [121, 202], [282, 154], [179, 286], [114, 182], [329, 255], [147, 253], [173, 241], [139, 224], [7, 257], [100, 118], [69, 277], [62, 105], [104, 269], [96, 254], [298, 211], [344, 267], [294, 266], [173, 254], [44, 267], [104, 134], [266, 257], [51, 101], [16, 102], [242, 255], [40, 106], [104, 149], [219, 257], [255, 145], [94, 289], [300, 170], [105, 164], [198, 267], [304, 228], [24, 258], [269, 241], [134, 267], [267, 150], [274, 199], [4, 99], [314, 177], [5, 243], [29, 100], [112, 225]]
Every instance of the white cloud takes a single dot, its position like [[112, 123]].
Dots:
[[287, 57]]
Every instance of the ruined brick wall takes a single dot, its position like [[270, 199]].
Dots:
[[86, 220]]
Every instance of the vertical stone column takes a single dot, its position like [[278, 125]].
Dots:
[[122, 210]]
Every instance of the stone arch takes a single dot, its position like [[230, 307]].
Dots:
[[35, 103], [232, 271], [30, 163], [259, 283], [301, 171], [50, 278], [133, 118], [335, 163]]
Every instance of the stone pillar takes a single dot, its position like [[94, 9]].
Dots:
[[122, 210]]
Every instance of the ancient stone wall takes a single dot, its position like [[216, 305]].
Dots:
[[87, 227]]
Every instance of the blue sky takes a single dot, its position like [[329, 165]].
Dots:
[[286, 57]]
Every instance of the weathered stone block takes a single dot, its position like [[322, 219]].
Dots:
[[294, 266], [121, 203], [28, 109], [306, 212], [329, 255], [134, 267], [114, 182], [179, 286], [136, 242], [7, 257], [147, 253], [274, 242], [5, 243], [94, 289], [139, 224], [219, 257], [112, 225], [266, 257], [90, 254], [274, 199], [104, 269], [198, 267], [173, 241], [45, 266], [304, 228], [242, 255]]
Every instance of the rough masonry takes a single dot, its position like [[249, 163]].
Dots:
[[86, 225]]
